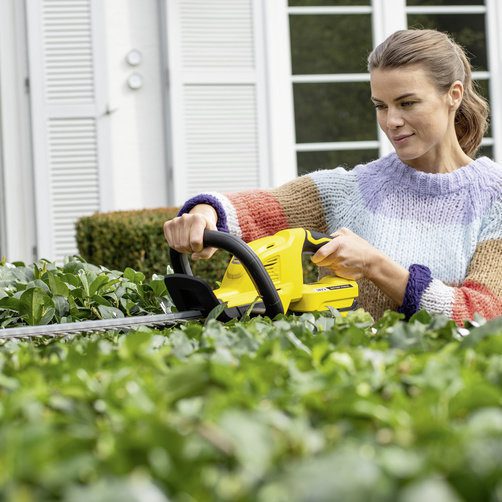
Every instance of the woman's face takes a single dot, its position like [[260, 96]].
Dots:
[[416, 117]]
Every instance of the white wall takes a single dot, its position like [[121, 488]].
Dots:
[[138, 173], [17, 204]]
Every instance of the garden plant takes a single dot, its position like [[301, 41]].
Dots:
[[315, 407]]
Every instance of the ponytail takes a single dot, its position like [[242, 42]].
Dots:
[[471, 119]]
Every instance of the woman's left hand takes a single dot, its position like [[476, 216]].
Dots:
[[347, 255], [351, 257]]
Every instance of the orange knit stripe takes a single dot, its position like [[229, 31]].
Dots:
[[259, 214], [473, 297]]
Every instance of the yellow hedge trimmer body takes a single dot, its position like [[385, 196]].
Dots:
[[281, 255]]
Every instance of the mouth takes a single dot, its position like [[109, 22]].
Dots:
[[401, 138]]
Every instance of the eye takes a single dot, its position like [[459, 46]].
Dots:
[[379, 106], [407, 104]]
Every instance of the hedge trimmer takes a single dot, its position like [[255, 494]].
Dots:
[[264, 277]]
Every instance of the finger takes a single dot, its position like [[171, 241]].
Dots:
[[330, 248], [167, 231], [196, 233], [201, 222], [171, 233], [180, 234], [205, 254], [328, 262]]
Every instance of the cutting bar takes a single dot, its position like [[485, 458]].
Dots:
[[99, 326]]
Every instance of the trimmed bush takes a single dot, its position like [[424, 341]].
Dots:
[[135, 239]]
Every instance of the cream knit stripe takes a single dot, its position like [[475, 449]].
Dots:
[[438, 298], [486, 266], [231, 213]]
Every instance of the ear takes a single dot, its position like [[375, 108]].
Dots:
[[455, 94]]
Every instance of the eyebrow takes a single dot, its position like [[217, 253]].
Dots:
[[407, 95]]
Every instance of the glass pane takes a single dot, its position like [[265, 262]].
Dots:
[[468, 30], [312, 161], [326, 3], [334, 112], [445, 2], [485, 151], [484, 90], [328, 44]]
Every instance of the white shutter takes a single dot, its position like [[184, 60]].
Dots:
[[217, 96], [62, 38]]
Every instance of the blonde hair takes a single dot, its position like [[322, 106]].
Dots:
[[445, 61]]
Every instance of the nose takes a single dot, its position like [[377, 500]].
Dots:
[[394, 118]]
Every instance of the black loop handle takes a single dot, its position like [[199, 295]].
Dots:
[[247, 257]]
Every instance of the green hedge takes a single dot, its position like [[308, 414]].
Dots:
[[135, 239]]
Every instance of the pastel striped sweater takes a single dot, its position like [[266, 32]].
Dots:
[[446, 229]]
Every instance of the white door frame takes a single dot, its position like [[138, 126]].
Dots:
[[18, 230], [494, 41]]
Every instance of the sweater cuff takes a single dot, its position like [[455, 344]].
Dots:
[[418, 282], [221, 224]]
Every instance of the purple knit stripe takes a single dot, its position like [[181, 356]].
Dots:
[[418, 282], [386, 183], [221, 225]]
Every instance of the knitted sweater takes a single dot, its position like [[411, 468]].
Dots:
[[446, 229]]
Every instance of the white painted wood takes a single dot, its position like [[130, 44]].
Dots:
[[330, 10], [331, 78], [494, 39], [281, 119], [446, 9], [481, 75], [216, 96], [338, 145], [388, 17], [18, 233], [262, 114], [68, 149], [137, 172]]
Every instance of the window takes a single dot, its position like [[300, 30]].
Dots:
[[334, 120], [330, 40]]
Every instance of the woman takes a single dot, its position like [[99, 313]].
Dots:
[[420, 228]]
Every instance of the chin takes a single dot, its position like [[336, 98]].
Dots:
[[409, 154]]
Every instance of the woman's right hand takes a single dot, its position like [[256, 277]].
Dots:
[[185, 233]]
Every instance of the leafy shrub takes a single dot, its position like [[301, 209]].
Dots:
[[297, 409], [44, 293]]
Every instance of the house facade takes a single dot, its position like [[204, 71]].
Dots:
[[126, 104]]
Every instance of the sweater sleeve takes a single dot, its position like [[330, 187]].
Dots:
[[255, 213], [481, 290]]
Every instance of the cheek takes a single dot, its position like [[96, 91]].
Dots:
[[381, 120]]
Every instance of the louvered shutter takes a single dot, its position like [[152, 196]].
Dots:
[[217, 97], [62, 39]]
